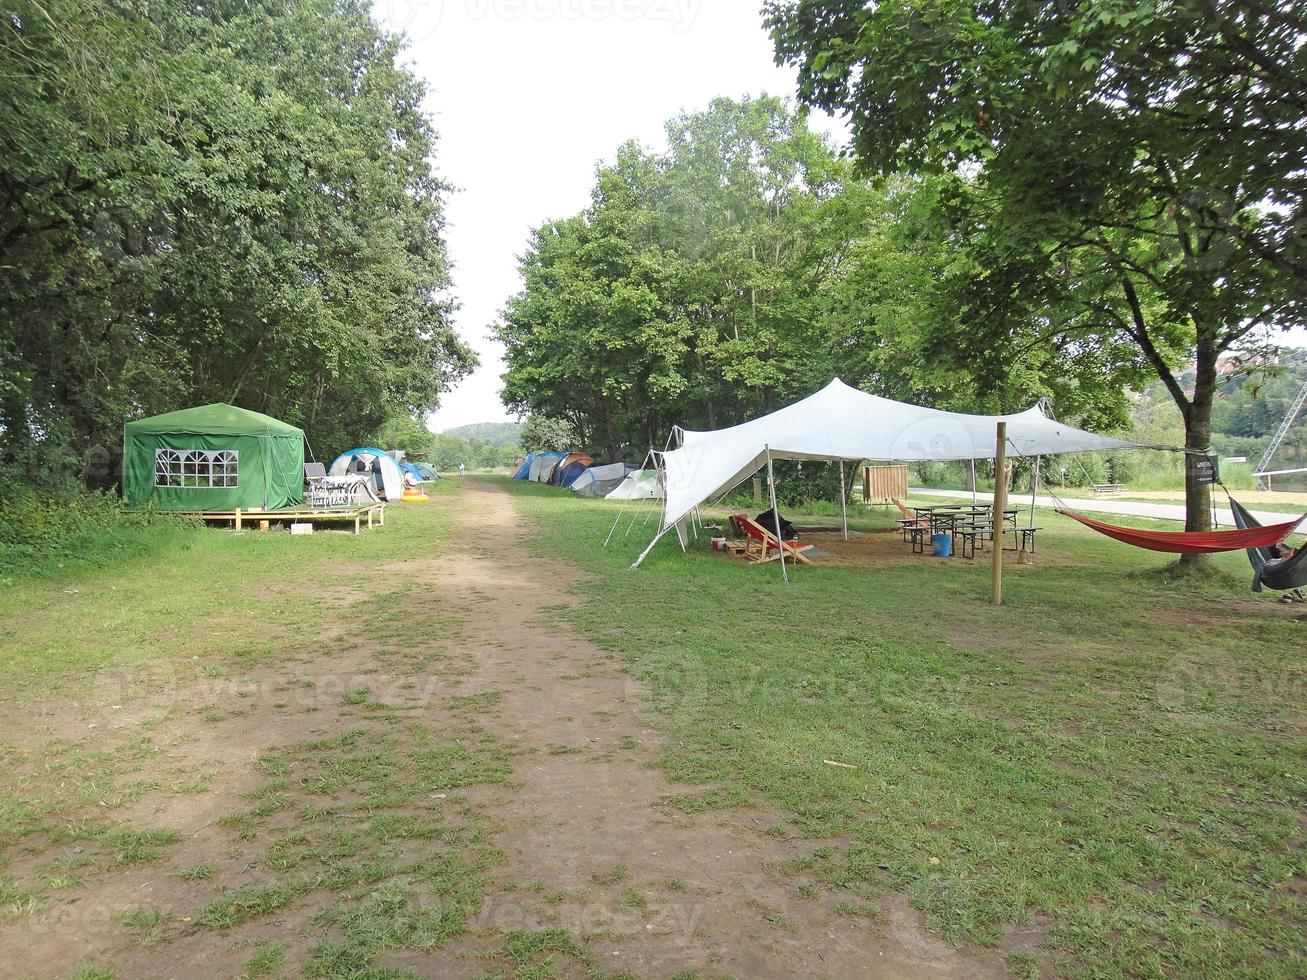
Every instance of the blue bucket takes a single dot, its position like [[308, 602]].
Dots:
[[943, 545]]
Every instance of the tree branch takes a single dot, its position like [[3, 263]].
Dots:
[[1139, 331]]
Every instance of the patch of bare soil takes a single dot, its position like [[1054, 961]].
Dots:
[[874, 549]]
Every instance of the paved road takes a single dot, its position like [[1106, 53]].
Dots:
[[1106, 505]]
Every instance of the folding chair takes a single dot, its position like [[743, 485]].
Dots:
[[319, 492], [769, 546]]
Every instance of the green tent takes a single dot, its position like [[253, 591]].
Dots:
[[214, 457]]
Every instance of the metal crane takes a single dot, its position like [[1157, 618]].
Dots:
[[1265, 461]]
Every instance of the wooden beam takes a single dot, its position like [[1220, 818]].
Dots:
[[1000, 504]]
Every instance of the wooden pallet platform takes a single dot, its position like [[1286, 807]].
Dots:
[[238, 518]]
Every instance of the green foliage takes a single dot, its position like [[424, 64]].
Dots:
[[215, 202], [744, 268], [445, 450], [407, 433], [541, 433], [1254, 401], [679, 295], [494, 433], [46, 530], [1135, 195], [476, 454]]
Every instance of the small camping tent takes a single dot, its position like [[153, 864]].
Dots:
[[542, 467], [213, 457], [415, 473], [599, 481], [386, 477], [638, 485], [426, 472], [523, 470], [569, 468]]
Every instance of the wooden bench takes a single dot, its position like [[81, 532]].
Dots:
[[972, 534], [1107, 489], [919, 534]]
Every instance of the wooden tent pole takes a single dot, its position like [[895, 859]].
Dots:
[[1000, 504]]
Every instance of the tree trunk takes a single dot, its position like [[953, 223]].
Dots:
[[611, 431], [15, 433], [1197, 439]]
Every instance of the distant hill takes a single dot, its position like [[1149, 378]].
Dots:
[[495, 433]]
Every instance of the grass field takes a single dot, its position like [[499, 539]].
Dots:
[[225, 744], [1112, 759], [179, 723]]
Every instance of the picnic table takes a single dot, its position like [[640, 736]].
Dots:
[[944, 518], [972, 523]]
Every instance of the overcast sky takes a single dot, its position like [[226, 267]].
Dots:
[[529, 95]]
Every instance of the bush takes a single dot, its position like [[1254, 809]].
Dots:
[[43, 530]]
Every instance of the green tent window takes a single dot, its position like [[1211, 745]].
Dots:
[[196, 468]]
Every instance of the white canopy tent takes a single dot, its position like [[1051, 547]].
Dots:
[[841, 423]]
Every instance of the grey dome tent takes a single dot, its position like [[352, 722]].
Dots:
[[542, 465], [599, 481]]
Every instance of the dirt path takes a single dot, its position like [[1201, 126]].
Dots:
[[699, 890], [471, 659]]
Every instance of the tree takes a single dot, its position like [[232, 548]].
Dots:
[[684, 293], [1135, 165], [897, 314], [543, 434], [214, 202]]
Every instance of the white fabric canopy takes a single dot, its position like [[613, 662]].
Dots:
[[840, 422]]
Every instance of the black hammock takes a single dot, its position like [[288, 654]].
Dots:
[[1270, 567]]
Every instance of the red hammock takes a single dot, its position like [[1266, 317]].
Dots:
[[1192, 542]]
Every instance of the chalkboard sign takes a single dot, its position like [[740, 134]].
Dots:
[[1204, 469]]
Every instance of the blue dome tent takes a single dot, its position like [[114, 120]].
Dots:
[[420, 472], [386, 477], [542, 466], [524, 470]]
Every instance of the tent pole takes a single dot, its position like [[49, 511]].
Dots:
[[643, 467], [1000, 504], [776, 516], [617, 520], [844, 502], [634, 514], [645, 554], [973, 483], [1034, 489]]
